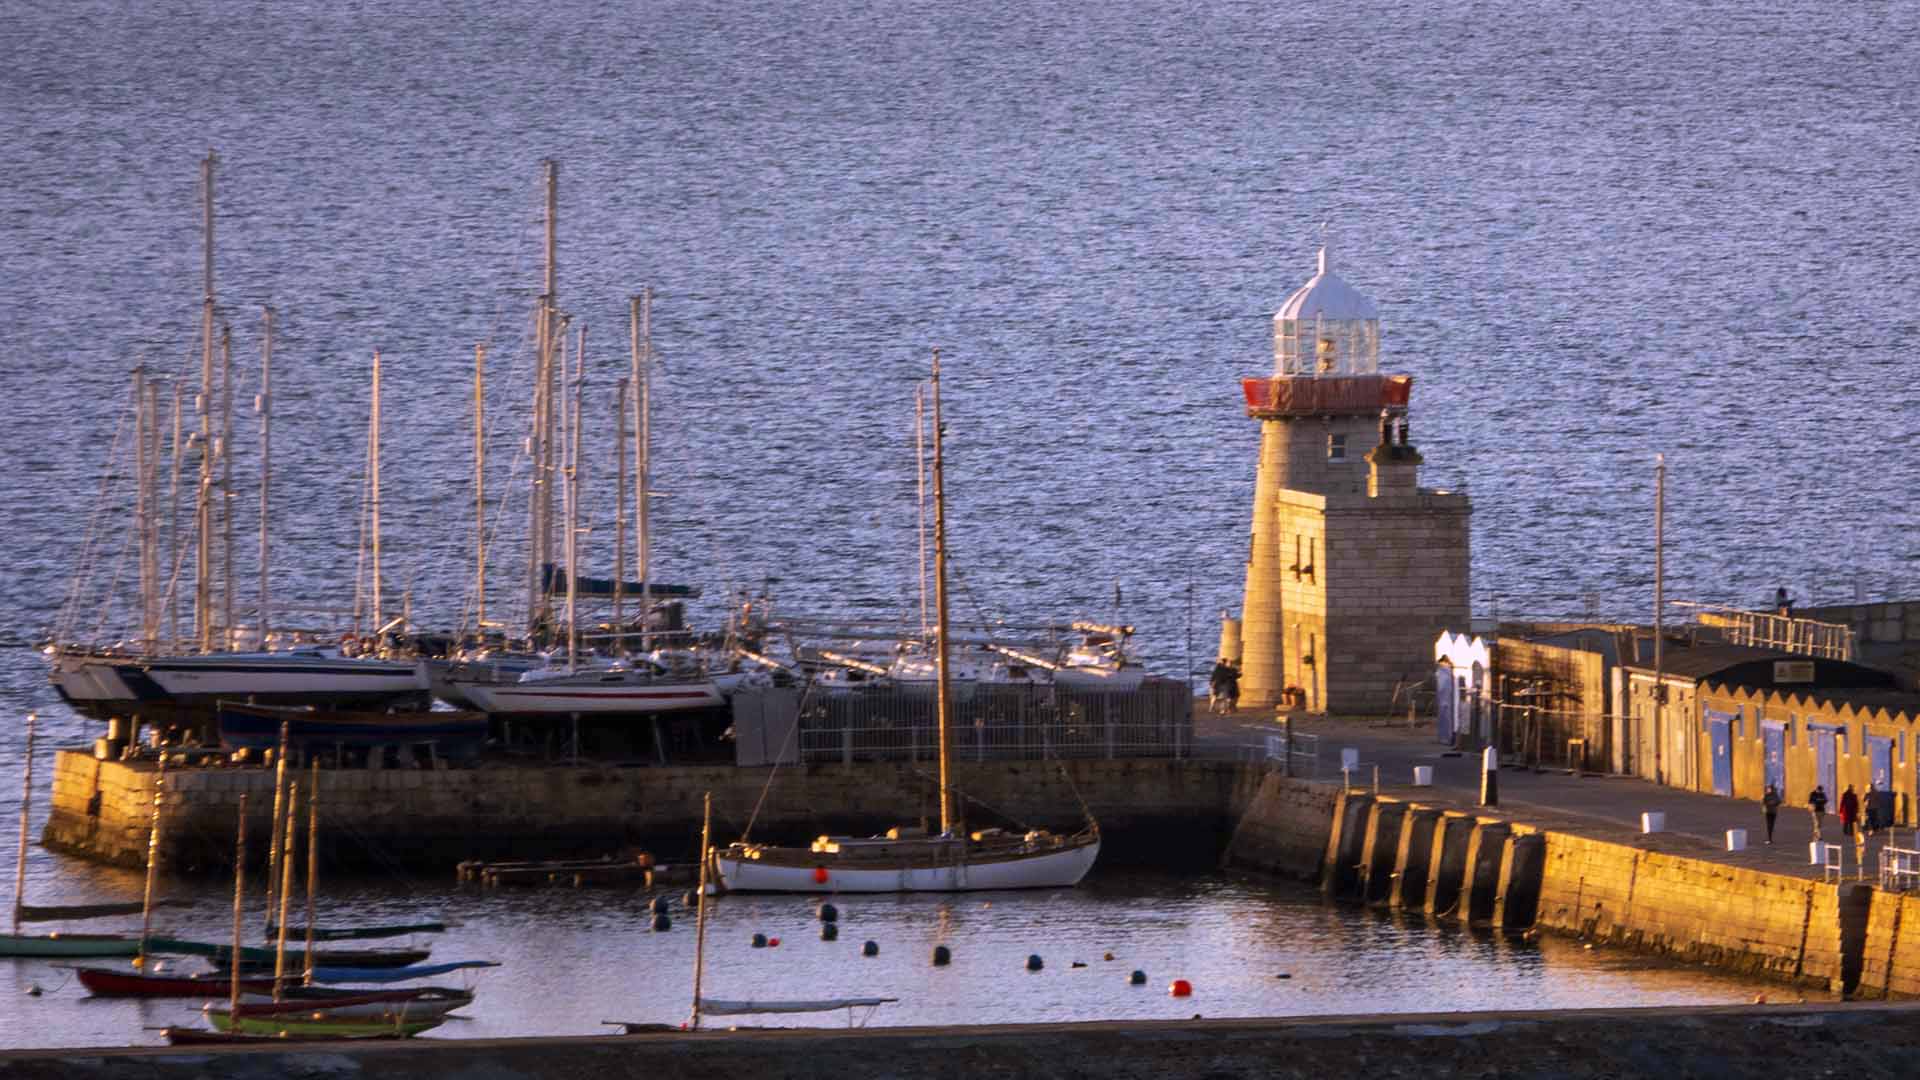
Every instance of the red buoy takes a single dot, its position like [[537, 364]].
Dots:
[[819, 875], [1180, 988], [773, 943]]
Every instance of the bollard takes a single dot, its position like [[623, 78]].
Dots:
[[1423, 776], [1490, 777], [1736, 839], [1653, 821]]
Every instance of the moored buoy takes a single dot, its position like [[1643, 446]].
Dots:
[[773, 943], [820, 875], [829, 932], [661, 923], [691, 899], [1138, 978], [829, 913], [659, 904], [759, 941], [1180, 988], [1034, 962], [1109, 956], [942, 956], [871, 948], [1078, 964]]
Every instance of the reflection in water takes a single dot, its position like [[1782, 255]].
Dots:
[[1251, 947]]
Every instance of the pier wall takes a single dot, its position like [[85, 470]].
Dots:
[[1488, 870], [102, 809], [1712, 1042]]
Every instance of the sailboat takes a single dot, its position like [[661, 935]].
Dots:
[[151, 674], [56, 944], [908, 860]]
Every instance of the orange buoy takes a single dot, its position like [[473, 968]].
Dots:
[[819, 875], [1180, 988]]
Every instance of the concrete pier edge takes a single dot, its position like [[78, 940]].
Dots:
[[1715, 1041]]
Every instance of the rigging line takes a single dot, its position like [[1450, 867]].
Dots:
[[792, 732], [83, 570]]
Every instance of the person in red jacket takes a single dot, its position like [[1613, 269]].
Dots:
[[1849, 810]]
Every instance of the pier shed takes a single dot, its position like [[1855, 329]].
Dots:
[[1672, 736]]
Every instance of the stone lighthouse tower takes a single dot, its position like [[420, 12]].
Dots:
[[1354, 569]]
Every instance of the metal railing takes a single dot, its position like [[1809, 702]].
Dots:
[[1000, 723], [1899, 869], [1766, 630]]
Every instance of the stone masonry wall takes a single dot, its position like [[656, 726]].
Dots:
[[102, 809]]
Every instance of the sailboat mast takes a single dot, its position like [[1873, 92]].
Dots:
[[286, 887], [548, 389], [940, 606], [276, 835], [920, 488], [153, 859], [313, 861], [620, 511], [373, 474], [225, 444], [203, 525], [142, 503], [239, 898], [265, 407], [479, 487], [26, 811], [570, 494], [700, 908], [173, 524], [643, 467]]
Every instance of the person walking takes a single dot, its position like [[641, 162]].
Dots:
[[1217, 685], [1770, 803], [1233, 687], [1849, 811], [1817, 806]]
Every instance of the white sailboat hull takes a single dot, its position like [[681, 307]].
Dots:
[[102, 684], [1053, 869]]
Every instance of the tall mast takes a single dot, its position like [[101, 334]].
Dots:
[[620, 510], [264, 405], [373, 474], [940, 605], [26, 811], [643, 466], [550, 379], [1659, 611], [570, 493], [225, 444], [173, 523], [537, 451], [286, 887], [239, 898], [153, 860], [203, 567], [152, 539], [142, 508], [479, 488], [277, 834], [920, 486], [700, 909], [313, 860]]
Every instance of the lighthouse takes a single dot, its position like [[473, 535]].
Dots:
[[1354, 569]]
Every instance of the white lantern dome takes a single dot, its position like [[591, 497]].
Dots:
[[1327, 327]]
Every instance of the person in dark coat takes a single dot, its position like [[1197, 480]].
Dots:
[[1817, 806], [1849, 810], [1217, 685], [1770, 803]]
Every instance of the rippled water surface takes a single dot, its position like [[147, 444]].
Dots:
[[1593, 235], [1249, 947]]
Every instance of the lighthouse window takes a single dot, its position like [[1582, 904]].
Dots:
[[1336, 448]]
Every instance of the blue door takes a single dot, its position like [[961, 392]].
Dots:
[[1720, 738], [1825, 756], [1880, 760], [1774, 736]]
